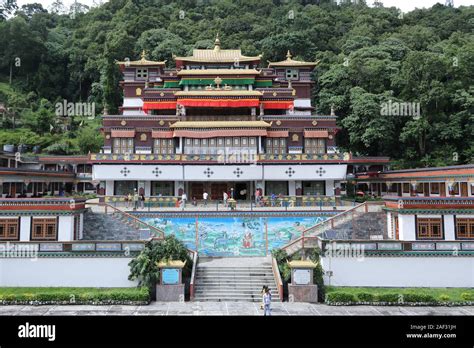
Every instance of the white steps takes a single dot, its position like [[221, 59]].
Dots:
[[228, 283]]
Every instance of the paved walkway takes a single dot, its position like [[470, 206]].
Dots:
[[232, 308]]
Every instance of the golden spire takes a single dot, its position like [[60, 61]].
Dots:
[[143, 55], [217, 43], [288, 55]]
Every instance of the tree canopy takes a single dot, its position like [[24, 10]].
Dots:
[[369, 56]]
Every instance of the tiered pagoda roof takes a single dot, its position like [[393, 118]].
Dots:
[[289, 62]]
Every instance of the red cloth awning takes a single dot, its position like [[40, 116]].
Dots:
[[161, 134], [123, 133], [220, 103], [277, 104], [159, 105], [316, 133], [215, 133], [277, 134]]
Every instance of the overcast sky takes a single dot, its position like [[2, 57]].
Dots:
[[404, 5]]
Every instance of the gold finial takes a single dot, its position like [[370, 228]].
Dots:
[[143, 55], [288, 55], [217, 43], [218, 82]]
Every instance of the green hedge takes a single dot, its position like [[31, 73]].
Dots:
[[403, 297], [340, 297], [74, 295]]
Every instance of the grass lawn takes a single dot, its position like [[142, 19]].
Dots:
[[73, 294], [453, 293]]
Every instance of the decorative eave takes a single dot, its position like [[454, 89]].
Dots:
[[220, 124], [218, 93], [217, 55], [292, 63], [217, 72], [142, 62], [432, 211]]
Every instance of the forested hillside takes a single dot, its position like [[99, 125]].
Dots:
[[368, 57]]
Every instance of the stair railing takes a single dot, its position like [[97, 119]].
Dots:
[[333, 222], [192, 283], [277, 276], [136, 221]]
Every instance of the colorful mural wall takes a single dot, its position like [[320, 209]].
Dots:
[[234, 235]]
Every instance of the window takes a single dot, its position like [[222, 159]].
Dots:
[[123, 145], [9, 229], [464, 228], [276, 187], [291, 74], [123, 188], [429, 228], [44, 229], [406, 187], [434, 188], [454, 189], [419, 188], [314, 188], [315, 146], [276, 146], [142, 73], [163, 146], [163, 188], [77, 226]]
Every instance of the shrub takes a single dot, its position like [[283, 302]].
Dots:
[[318, 273], [281, 258], [143, 268], [340, 297], [418, 298], [467, 296], [387, 297], [365, 297], [444, 298]]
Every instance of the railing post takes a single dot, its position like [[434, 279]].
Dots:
[[366, 207]]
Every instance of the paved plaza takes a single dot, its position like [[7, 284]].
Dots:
[[232, 308]]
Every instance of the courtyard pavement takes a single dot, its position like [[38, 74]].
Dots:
[[231, 308]]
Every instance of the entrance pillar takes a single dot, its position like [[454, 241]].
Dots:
[[291, 188]]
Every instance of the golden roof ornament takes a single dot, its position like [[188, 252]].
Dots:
[[218, 82], [288, 55], [332, 110], [217, 43], [143, 55]]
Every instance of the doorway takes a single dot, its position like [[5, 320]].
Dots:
[[241, 191]]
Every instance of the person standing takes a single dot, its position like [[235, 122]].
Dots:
[[225, 197], [257, 196], [142, 201], [129, 199], [204, 198], [184, 198], [267, 301], [135, 200]]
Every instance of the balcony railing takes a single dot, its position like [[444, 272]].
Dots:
[[217, 158]]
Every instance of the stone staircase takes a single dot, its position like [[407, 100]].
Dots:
[[370, 225], [100, 226], [234, 279]]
